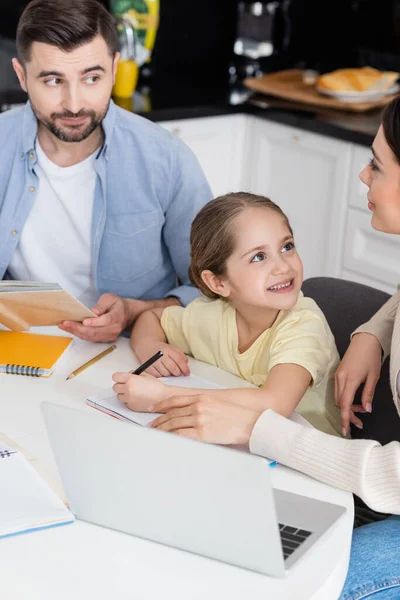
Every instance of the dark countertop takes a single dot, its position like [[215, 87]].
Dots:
[[174, 101], [194, 101]]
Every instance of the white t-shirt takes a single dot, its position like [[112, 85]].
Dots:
[[55, 242]]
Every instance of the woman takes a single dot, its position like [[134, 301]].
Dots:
[[360, 466]]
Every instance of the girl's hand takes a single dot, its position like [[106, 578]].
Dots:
[[174, 362], [206, 419], [139, 392], [361, 363]]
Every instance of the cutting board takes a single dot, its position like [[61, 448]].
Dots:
[[289, 85]]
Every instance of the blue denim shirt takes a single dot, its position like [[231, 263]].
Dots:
[[149, 188]]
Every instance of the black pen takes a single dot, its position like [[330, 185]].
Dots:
[[148, 363]]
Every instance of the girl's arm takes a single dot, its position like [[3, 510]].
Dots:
[[285, 386], [147, 327], [148, 337]]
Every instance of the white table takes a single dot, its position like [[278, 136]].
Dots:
[[84, 561]]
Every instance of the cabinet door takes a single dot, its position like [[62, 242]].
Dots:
[[307, 175], [371, 256], [219, 145]]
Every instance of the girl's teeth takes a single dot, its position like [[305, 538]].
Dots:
[[279, 287]]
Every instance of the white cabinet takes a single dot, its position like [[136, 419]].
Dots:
[[219, 143], [307, 176], [370, 255]]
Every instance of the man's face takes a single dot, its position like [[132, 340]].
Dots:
[[69, 91]]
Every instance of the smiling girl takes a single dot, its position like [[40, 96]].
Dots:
[[252, 321]]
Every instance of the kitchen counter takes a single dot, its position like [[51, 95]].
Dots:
[[185, 102], [192, 100]]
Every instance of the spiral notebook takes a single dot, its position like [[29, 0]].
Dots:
[[27, 503], [31, 354]]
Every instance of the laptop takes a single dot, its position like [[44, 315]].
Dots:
[[207, 499]]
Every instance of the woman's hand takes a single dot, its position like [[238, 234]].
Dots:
[[206, 419], [361, 363], [173, 362], [139, 392]]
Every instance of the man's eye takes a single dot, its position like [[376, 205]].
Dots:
[[258, 257], [53, 82], [92, 79], [288, 246]]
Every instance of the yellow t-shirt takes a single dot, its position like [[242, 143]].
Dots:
[[206, 329]]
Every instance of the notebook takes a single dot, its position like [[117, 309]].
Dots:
[[108, 402], [24, 304], [31, 354], [27, 503]]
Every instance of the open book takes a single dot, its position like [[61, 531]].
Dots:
[[24, 304], [108, 402], [27, 503]]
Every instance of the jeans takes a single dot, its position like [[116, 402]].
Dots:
[[374, 570]]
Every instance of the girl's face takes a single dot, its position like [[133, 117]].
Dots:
[[264, 270], [382, 176]]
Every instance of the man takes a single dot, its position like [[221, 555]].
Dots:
[[91, 196]]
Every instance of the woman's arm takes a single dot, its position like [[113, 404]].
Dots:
[[364, 467], [363, 360], [148, 337], [285, 386], [382, 323], [360, 466]]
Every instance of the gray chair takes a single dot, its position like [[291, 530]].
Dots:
[[346, 305]]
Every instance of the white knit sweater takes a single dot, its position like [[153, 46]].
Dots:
[[363, 467]]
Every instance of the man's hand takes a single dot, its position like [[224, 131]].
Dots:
[[206, 419], [114, 315], [361, 363]]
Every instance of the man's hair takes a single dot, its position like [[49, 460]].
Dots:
[[212, 237], [66, 24]]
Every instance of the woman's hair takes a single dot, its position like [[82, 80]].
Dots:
[[391, 126], [212, 237], [66, 24]]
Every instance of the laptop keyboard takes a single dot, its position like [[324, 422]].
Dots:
[[291, 538]]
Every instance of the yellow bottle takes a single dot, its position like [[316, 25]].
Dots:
[[154, 11], [126, 78]]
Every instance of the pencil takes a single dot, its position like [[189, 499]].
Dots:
[[148, 363], [91, 361]]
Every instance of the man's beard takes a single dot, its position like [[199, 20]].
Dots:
[[70, 134]]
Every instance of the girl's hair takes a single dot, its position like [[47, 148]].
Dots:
[[212, 237], [391, 126]]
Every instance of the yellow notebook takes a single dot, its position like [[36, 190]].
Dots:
[[30, 353]]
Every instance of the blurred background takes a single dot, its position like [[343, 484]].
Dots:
[[215, 40]]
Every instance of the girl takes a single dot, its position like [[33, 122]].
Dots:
[[363, 467], [252, 320]]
